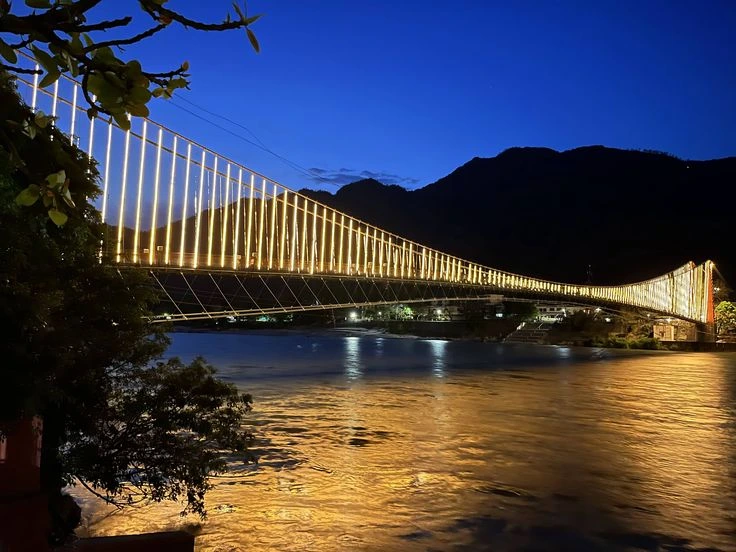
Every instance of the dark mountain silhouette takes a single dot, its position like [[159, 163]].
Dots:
[[630, 215]]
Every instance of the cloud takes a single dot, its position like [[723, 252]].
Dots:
[[343, 176]]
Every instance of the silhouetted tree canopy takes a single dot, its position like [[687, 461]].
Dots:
[[725, 317], [77, 348]]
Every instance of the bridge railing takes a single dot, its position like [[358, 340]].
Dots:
[[683, 292], [171, 201]]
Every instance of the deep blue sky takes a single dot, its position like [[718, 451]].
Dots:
[[409, 90]]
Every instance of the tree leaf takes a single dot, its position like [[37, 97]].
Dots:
[[114, 79], [178, 82], [121, 118], [7, 52], [253, 40], [57, 217], [28, 196], [49, 78], [237, 10], [29, 129], [57, 178], [104, 54], [67, 197], [72, 65], [45, 59], [134, 67], [75, 44], [138, 110], [141, 81], [139, 95], [41, 119], [107, 92]]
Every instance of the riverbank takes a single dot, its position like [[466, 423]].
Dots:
[[486, 330], [482, 330]]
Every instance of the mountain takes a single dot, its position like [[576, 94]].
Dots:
[[630, 215]]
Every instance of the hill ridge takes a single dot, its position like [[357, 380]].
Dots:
[[630, 214]]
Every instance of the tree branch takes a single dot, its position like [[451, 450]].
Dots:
[[81, 6], [21, 44], [20, 70], [101, 26], [55, 30], [85, 92], [126, 41], [166, 75], [100, 495], [156, 11]]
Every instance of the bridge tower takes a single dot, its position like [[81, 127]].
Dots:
[[706, 331]]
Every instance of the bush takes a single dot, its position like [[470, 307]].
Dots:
[[617, 342]]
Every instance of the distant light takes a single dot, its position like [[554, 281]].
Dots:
[[598, 309], [379, 313], [499, 315], [608, 319], [438, 311], [353, 315]]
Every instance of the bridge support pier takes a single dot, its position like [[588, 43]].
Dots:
[[706, 332]]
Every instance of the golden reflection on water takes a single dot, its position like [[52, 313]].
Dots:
[[634, 451]]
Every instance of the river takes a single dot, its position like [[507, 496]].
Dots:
[[374, 443]]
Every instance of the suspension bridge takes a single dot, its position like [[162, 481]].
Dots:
[[221, 240]]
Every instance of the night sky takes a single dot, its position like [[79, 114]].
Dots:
[[406, 91]]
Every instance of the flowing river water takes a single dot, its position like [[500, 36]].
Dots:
[[373, 443]]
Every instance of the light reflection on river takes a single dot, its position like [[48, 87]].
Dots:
[[372, 443]]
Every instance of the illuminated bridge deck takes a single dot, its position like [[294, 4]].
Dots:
[[174, 205]]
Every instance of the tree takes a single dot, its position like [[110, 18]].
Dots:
[[77, 348], [525, 311], [474, 311], [59, 36], [725, 317]]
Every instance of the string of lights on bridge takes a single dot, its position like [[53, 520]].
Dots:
[[192, 208]]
